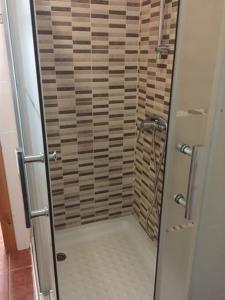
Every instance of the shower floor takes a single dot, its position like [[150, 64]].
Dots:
[[113, 260]]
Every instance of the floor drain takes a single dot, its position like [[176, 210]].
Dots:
[[61, 256]]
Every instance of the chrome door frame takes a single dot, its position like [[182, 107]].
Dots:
[[168, 150]]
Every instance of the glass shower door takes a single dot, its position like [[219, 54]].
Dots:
[[192, 105], [32, 155]]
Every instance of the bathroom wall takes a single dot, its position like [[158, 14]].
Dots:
[[89, 68], [154, 90], [101, 74], [9, 142]]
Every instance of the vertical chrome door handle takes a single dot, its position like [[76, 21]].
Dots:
[[192, 180], [23, 181], [21, 161], [196, 154]]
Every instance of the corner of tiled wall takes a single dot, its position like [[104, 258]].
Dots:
[[154, 89]]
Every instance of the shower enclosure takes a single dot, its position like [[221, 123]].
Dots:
[[113, 208]]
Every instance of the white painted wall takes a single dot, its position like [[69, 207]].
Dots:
[[9, 141]]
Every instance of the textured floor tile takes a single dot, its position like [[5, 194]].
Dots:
[[112, 260]]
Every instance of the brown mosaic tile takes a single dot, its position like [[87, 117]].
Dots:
[[155, 75], [100, 75], [89, 67]]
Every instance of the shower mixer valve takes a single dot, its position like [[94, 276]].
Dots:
[[151, 124]]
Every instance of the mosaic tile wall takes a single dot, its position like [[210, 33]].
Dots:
[[89, 66], [90, 55], [154, 88]]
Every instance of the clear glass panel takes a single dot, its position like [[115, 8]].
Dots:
[[31, 137]]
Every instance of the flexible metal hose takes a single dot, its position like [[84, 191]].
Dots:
[[157, 168]]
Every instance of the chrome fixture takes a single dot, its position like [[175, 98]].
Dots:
[[185, 149], [53, 156], [154, 124], [196, 153], [161, 49], [21, 162], [39, 157], [179, 199], [39, 213], [34, 158]]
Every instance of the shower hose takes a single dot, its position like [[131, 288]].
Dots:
[[157, 168]]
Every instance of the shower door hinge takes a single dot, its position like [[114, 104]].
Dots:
[[21, 161]]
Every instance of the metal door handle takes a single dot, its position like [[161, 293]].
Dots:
[[39, 213], [39, 157], [196, 154], [21, 161], [23, 182]]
